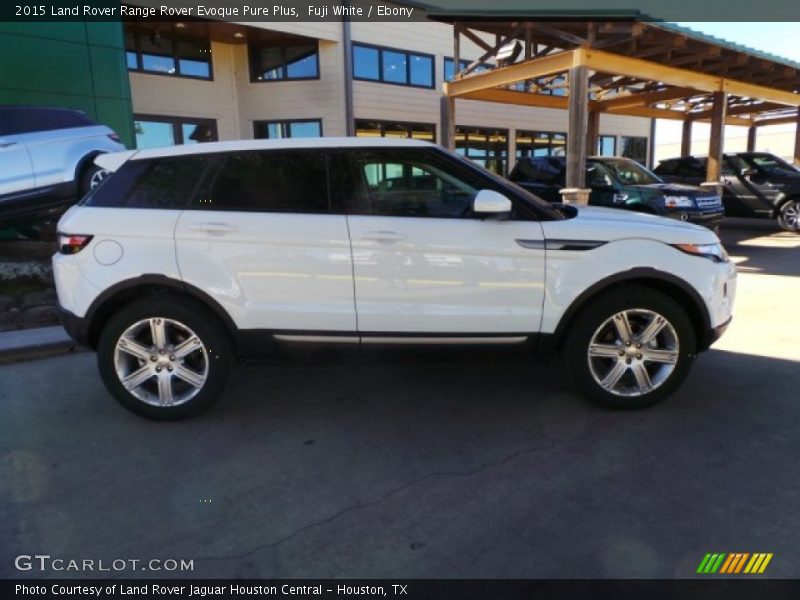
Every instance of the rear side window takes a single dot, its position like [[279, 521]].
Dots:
[[268, 181], [152, 183], [545, 170], [17, 120]]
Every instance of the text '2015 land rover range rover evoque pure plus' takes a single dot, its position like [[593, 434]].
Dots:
[[187, 258]]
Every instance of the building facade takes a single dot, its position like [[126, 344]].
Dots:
[[197, 81]]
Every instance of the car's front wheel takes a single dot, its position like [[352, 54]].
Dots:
[[789, 215], [630, 348], [164, 358]]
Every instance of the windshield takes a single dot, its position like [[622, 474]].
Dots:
[[629, 172], [771, 165]]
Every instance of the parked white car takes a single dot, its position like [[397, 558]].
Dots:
[[187, 258], [47, 157]]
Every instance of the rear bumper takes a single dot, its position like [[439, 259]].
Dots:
[[76, 327]]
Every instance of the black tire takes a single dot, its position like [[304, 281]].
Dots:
[[598, 311], [789, 215], [91, 176], [216, 355]]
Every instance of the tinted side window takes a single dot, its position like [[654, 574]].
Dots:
[[409, 183], [28, 120], [269, 181], [151, 183]]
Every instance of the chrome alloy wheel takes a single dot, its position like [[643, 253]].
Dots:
[[633, 352], [161, 362], [97, 178], [790, 215]]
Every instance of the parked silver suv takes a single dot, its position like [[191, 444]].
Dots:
[[47, 157]]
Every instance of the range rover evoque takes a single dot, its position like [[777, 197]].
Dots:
[[187, 258]]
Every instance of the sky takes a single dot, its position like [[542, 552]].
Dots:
[[782, 39]]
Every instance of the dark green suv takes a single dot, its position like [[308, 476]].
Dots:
[[622, 183]]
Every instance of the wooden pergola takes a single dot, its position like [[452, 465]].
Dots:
[[622, 67]]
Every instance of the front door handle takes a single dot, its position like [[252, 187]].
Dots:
[[383, 237], [212, 227], [5, 144]]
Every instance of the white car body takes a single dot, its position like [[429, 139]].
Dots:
[[364, 278]]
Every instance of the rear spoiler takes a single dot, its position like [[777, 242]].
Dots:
[[112, 161]]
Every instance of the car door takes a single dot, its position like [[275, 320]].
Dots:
[[601, 182], [740, 195], [261, 238], [16, 174], [423, 262]]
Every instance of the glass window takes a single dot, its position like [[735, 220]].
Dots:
[[448, 68], [279, 61], [392, 66], [634, 147], [771, 165], [366, 63], [630, 172], [155, 132], [162, 53], [288, 129], [410, 183], [486, 147], [394, 129], [540, 143], [271, 181], [421, 70], [152, 183], [606, 145]]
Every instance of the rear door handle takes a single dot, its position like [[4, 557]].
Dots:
[[5, 144], [383, 237], [212, 227]]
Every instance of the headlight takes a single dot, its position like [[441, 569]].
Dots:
[[678, 202], [715, 252]]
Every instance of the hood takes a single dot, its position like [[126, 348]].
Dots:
[[611, 224], [675, 189]]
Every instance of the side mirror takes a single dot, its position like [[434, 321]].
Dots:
[[489, 202], [748, 172]]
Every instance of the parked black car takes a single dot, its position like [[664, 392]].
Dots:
[[622, 183], [754, 184]]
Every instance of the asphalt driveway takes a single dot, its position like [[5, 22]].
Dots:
[[423, 464]]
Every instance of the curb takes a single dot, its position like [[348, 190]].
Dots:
[[32, 344]]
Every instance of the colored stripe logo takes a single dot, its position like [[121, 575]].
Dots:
[[734, 563]]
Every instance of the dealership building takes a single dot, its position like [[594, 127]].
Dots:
[[162, 83]]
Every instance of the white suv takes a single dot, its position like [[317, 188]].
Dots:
[[187, 258], [47, 156]]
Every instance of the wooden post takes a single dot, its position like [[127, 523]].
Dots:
[[686, 138], [751, 138], [578, 122], [456, 50], [797, 140], [716, 143], [592, 132], [448, 117]]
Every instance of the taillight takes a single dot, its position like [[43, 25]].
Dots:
[[114, 137], [72, 244]]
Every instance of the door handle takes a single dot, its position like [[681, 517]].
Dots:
[[4, 144], [383, 237], [212, 227]]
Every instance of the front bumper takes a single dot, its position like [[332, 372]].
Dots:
[[77, 327], [707, 219], [716, 332]]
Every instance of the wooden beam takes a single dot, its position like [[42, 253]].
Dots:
[[537, 67], [716, 142], [741, 109], [751, 138], [645, 98], [797, 140], [559, 34], [608, 62], [592, 132], [476, 40], [576, 130], [776, 121], [686, 138], [448, 118], [504, 96]]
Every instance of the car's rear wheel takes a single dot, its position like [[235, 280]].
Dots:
[[163, 358], [789, 215], [630, 348], [91, 177]]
